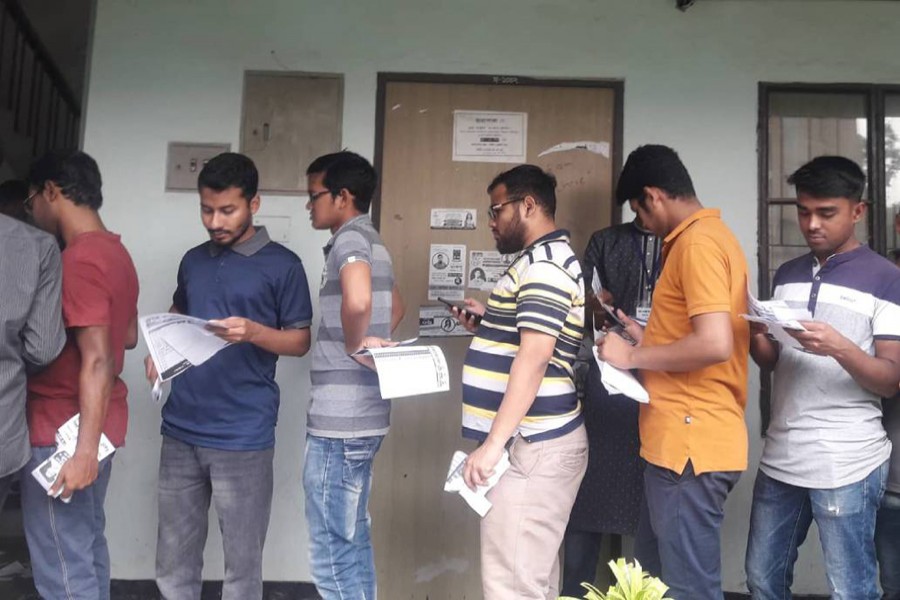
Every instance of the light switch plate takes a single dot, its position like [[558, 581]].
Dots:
[[184, 162]]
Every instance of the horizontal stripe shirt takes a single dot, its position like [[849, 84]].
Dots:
[[543, 290], [825, 429], [346, 401]]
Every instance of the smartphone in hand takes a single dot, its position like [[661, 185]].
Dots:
[[461, 308]]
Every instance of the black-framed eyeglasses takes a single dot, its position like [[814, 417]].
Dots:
[[29, 201], [317, 195], [494, 210]]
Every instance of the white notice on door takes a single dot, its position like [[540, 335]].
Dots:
[[446, 271], [490, 136]]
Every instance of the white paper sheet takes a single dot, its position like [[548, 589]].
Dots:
[[454, 218], [619, 381], [66, 440], [779, 317], [179, 342], [476, 499], [446, 271], [490, 136], [410, 370]]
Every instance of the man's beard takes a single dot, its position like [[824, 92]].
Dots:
[[233, 239], [514, 239]]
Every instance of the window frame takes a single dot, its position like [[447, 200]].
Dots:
[[875, 183]]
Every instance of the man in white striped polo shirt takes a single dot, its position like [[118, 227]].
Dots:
[[826, 453], [519, 390]]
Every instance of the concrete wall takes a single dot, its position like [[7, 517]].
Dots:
[[172, 70]]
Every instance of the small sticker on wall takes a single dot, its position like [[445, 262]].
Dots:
[[436, 321], [486, 267], [454, 218]]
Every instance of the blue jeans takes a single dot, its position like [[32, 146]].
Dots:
[[337, 479], [239, 484], [887, 545], [845, 516], [678, 537], [69, 555]]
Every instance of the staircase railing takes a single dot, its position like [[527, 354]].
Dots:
[[32, 89]]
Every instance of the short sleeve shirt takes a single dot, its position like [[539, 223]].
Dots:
[[231, 401], [825, 430], [100, 287], [698, 415]]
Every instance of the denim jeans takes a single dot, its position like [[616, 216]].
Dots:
[[337, 479], [581, 553], [887, 545], [678, 537], [66, 541], [5, 483], [239, 483], [845, 516]]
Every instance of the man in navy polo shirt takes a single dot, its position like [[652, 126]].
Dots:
[[219, 421], [826, 453]]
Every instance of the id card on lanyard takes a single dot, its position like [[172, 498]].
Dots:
[[642, 311]]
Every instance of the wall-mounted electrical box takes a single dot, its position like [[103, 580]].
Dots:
[[184, 162]]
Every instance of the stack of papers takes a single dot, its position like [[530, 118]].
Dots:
[[476, 499], [406, 370], [66, 440], [778, 317], [177, 343]]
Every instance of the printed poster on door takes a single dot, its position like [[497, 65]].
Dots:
[[436, 321], [490, 136], [446, 271], [486, 267]]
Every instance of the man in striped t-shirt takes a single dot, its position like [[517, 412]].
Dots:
[[519, 390], [347, 418]]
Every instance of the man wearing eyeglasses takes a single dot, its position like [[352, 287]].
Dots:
[[347, 417], [66, 540], [519, 390]]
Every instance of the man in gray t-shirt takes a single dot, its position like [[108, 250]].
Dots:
[[826, 452], [347, 416]]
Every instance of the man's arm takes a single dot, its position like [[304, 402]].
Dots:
[[710, 342], [356, 303], [95, 383], [525, 376], [880, 374], [398, 308], [131, 334], [283, 342], [44, 334], [763, 349]]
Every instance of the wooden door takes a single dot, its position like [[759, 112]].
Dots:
[[427, 541]]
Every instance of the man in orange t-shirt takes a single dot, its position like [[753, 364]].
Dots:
[[693, 359]]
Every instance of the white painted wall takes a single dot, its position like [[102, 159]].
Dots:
[[172, 70]]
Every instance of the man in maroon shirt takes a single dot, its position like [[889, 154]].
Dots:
[[69, 554]]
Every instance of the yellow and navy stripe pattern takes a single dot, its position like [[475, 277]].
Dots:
[[543, 290]]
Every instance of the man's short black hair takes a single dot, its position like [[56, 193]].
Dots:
[[830, 177], [347, 171], [13, 194], [76, 174], [230, 170], [653, 165], [528, 180]]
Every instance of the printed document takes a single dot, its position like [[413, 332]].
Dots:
[[620, 381], [456, 483], [406, 370], [179, 342], [778, 317], [66, 440]]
